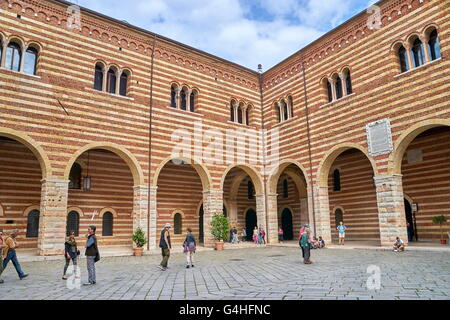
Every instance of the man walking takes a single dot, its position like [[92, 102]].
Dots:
[[2, 245], [341, 228], [9, 253], [92, 255], [165, 245]]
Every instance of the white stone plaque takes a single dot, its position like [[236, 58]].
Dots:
[[414, 156], [379, 137]]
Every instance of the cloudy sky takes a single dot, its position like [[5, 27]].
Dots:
[[247, 32]]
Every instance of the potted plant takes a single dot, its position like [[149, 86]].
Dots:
[[440, 220], [219, 230], [139, 239]]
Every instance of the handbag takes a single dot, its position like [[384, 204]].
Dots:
[[97, 257]]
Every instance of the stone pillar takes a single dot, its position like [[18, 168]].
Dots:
[[140, 208], [426, 49], [232, 211], [154, 234], [333, 89], [391, 211], [344, 84], [408, 53], [235, 109], [178, 98], [322, 213], [304, 212], [272, 218], [52, 221], [281, 108], [261, 213], [22, 60], [212, 203], [188, 100], [105, 78], [2, 62], [118, 75]]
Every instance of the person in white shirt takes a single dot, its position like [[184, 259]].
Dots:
[[399, 245]]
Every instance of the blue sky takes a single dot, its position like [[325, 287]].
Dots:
[[247, 32]]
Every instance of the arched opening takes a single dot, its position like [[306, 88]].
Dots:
[[434, 46], [348, 82], [338, 86], [20, 186], [410, 220], [111, 178], [239, 114], [111, 80], [403, 58], [123, 86], [30, 63], [338, 217], [75, 176], [352, 187], [251, 221], [173, 96], [193, 101], [417, 53], [183, 99], [73, 223], [287, 224], [177, 223], [425, 169], [180, 189]]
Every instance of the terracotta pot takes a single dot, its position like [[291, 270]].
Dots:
[[444, 241], [219, 246], [137, 252]]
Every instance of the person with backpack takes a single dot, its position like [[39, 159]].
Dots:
[[189, 246], [9, 253], [92, 255]]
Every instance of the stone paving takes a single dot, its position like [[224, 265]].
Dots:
[[273, 273]]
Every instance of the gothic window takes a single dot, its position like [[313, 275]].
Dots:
[[231, 113], [329, 91], [98, 79], [13, 56], [173, 96], [107, 224], [111, 81], [418, 53], [31, 55], [348, 82], [177, 222], [73, 223], [239, 119], [433, 45], [33, 224], [403, 56], [183, 99], [338, 86], [123, 86], [192, 101]]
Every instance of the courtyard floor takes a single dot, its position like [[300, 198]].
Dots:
[[273, 273]]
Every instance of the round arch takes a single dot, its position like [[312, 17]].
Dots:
[[276, 173], [404, 140], [77, 209], [32, 145], [105, 210], [324, 167], [31, 208], [127, 156], [201, 170], [251, 171]]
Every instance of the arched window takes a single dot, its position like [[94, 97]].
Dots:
[[30, 61], [418, 53], [278, 111], [111, 81], [192, 101], [285, 110], [247, 118], [123, 86], [338, 216], [329, 91], [98, 79], [231, 113], [75, 177], [178, 223], [403, 56], [183, 99], [291, 104], [336, 180], [107, 224], [348, 82], [239, 119], [338, 86], [33, 224], [1, 49], [13, 56], [250, 190], [173, 96], [433, 45], [285, 188], [73, 223]]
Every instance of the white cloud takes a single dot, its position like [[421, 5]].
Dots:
[[224, 27]]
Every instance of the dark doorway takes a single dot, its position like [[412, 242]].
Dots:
[[286, 224], [338, 217], [200, 225], [250, 223], [409, 220]]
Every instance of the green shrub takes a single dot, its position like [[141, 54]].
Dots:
[[219, 227], [139, 238]]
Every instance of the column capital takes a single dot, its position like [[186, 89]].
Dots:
[[384, 179], [50, 180], [213, 191]]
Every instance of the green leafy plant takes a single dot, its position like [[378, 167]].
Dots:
[[440, 220], [219, 227], [139, 238]]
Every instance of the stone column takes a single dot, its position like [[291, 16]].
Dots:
[[304, 212], [53, 216], [154, 234], [322, 213], [408, 53], [2, 62], [235, 109], [272, 218], [424, 40], [281, 109], [212, 203], [178, 98], [344, 84], [188, 100], [391, 211], [261, 213], [333, 90], [22, 60], [244, 118], [118, 75], [105, 78], [232, 211], [140, 209]]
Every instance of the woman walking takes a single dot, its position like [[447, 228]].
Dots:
[[189, 246], [71, 253], [255, 235]]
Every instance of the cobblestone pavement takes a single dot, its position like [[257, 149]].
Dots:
[[259, 273]]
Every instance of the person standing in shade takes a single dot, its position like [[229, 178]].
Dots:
[[306, 246], [189, 247], [9, 253], [92, 255], [280, 235], [255, 235], [341, 228], [2, 245], [71, 253], [165, 245]]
